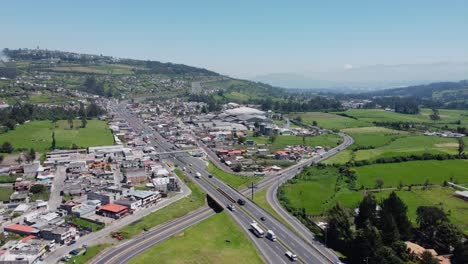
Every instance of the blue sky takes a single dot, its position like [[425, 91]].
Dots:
[[246, 38]]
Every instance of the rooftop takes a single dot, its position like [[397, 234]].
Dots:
[[114, 208]]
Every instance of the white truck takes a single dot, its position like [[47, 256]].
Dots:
[[271, 235], [197, 175]]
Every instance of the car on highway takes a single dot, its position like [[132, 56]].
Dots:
[[241, 201], [291, 256], [263, 218], [231, 207], [210, 176]]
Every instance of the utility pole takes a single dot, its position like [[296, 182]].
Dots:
[[252, 187]]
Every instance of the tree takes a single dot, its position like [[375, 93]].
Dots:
[[435, 115], [461, 147], [338, 232], [84, 122], [19, 160], [367, 212], [398, 209], [1, 159], [241, 140], [53, 144], [37, 188], [314, 123], [365, 244], [379, 184], [6, 147], [448, 234], [460, 254], [74, 146], [30, 155], [70, 122], [389, 228], [272, 139], [237, 167], [428, 258], [428, 217]]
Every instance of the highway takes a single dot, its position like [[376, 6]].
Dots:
[[273, 252]]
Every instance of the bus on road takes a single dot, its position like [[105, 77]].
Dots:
[[256, 229]]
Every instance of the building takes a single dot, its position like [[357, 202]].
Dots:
[[26, 251], [58, 234], [146, 197], [131, 203], [21, 229], [113, 210], [136, 176]]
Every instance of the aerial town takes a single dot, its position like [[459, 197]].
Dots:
[[233, 132]]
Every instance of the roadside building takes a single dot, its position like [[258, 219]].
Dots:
[[146, 197], [113, 210], [131, 203], [58, 234], [21, 229]]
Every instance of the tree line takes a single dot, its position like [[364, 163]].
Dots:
[[19, 113], [376, 231]]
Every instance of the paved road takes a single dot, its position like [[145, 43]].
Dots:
[[91, 238], [57, 185], [273, 252], [123, 252]]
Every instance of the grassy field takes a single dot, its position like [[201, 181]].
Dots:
[[194, 245], [38, 135], [324, 140], [84, 223], [8, 178], [314, 191], [441, 197], [373, 136], [98, 69], [5, 193], [413, 172], [447, 117], [409, 145], [340, 158], [90, 253], [330, 121], [238, 182], [185, 205]]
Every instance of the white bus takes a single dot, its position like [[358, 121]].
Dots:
[[256, 229]]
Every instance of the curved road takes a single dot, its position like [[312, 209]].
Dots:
[[304, 246]]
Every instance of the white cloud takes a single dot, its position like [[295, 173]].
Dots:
[[348, 67]]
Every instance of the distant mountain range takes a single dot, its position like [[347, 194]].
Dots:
[[372, 77]]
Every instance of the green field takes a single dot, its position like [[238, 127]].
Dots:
[[447, 117], [441, 197], [314, 191], [340, 158], [324, 140], [205, 242], [185, 205], [5, 193], [413, 172], [90, 253], [84, 223], [38, 135], [373, 136], [238, 182], [411, 145], [330, 121]]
